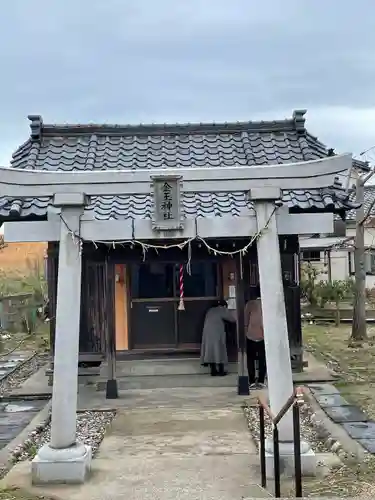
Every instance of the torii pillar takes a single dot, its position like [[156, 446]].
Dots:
[[63, 459], [279, 367]]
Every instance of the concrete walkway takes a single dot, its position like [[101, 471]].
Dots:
[[189, 451]]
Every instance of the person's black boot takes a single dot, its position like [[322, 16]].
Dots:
[[222, 372], [213, 369]]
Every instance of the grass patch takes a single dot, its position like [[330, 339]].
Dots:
[[356, 370], [15, 494], [354, 366]]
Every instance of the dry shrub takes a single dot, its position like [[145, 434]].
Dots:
[[29, 282]]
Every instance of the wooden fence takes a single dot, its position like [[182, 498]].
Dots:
[[330, 315]]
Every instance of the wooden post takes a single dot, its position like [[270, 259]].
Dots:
[[290, 268], [111, 388], [243, 378], [52, 275], [329, 262]]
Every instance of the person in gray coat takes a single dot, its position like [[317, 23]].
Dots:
[[214, 347]]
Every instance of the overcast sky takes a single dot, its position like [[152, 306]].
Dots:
[[131, 61]]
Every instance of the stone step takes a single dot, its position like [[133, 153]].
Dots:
[[160, 367], [162, 381]]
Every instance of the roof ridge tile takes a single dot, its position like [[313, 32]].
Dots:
[[98, 147], [38, 128], [33, 155], [91, 155]]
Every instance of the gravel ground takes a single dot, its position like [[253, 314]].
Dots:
[[308, 432], [23, 373], [91, 427]]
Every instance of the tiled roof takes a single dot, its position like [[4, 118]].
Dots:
[[194, 204], [361, 165], [99, 147], [369, 200]]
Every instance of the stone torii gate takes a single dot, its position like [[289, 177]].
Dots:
[[66, 460]]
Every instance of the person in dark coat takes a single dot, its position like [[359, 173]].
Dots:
[[255, 347], [214, 348]]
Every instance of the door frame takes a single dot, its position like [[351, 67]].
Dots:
[[131, 343]]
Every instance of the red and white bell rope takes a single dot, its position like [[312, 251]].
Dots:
[[181, 305]]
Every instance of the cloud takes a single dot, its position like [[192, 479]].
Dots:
[[196, 60]]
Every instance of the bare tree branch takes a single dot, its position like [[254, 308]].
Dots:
[[363, 181], [359, 325], [367, 150], [368, 212], [345, 243], [368, 176], [342, 244]]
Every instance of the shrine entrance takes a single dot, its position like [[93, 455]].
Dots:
[[156, 320], [210, 196]]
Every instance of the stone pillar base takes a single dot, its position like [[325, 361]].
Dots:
[[308, 460], [61, 466]]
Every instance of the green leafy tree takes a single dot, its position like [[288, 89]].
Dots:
[[335, 291]]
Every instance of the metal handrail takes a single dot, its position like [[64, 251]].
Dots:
[[293, 401]]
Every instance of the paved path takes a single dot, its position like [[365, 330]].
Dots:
[[15, 416], [187, 397], [187, 451], [352, 420]]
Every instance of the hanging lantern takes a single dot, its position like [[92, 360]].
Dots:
[[181, 305]]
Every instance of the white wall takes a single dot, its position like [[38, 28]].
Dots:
[[369, 235], [340, 259], [353, 178], [369, 244], [339, 265]]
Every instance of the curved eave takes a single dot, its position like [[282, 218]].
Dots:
[[15, 218], [299, 175], [293, 210]]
